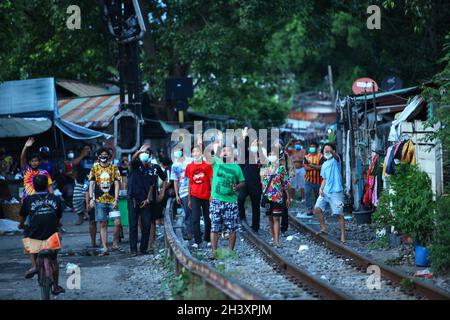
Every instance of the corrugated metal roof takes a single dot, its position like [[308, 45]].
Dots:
[[86, 90], [33, 97], [90, 112]]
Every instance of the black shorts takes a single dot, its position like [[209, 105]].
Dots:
[[157, 211], [275, 209]]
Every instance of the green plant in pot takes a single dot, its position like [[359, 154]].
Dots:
[[408, 206]]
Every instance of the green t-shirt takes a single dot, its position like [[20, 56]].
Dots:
[[224, 177]]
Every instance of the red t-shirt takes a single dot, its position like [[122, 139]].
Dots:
[[200, 176]]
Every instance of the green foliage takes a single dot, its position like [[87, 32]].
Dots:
[[440, 246], [248, 58], [409, 207], [381, 243], [407, 284]]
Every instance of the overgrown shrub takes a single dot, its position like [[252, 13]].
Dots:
[[409, 206], [440, 246]]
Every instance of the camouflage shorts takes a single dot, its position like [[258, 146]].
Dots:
[[224, 216]]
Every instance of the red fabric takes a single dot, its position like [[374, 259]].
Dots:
[[370, 181], [200, 176]]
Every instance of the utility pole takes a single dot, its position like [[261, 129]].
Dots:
[[330, 82]]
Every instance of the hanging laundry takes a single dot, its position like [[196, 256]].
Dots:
[[408, 153]]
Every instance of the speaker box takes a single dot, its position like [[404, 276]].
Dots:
[[179, 88]]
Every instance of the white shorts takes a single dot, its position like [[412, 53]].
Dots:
[[335, 200]]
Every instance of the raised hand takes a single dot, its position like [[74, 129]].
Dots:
[[29, 142]]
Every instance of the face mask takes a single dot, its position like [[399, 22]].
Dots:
[[312, 150], [272, 158], [70, 155], [178, 154], [254, 149], [199, 158], [103, 159], [298, 147], [144, 157], [328, 156]]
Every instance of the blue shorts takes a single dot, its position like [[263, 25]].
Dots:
[[335, 200], [224, 216], [102, 211]]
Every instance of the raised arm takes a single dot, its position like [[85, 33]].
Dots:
[[23, 155]]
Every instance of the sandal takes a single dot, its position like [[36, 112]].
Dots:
[[321, 232], [103, 253], [31, 273], [57, 290], [118, 249]]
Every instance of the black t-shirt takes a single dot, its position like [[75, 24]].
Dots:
[[123, 171], [139, 182], [153, 172], [43, 210]]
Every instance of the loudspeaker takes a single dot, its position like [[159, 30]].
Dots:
[[179, 88]]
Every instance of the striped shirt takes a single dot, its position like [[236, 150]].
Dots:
[[313, 176]]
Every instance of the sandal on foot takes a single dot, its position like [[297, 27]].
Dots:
[[103, 253], [57, 290], [118, 249], [31, 273]]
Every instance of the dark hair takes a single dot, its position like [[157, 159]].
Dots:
[[166, 161], [135, 164], [104, 150], [80, 173], [330, 145], [40, 183], [33, 156], [313, 143]]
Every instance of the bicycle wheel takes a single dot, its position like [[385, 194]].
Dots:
[[45, 280]]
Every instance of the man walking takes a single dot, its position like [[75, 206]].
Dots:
[[200, 174], [331, 190], [181, 185], [139, 194], [227, 179], [104, 184], [313, 163], [251, 170]]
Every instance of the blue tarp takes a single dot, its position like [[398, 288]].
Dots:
[[36, 98]]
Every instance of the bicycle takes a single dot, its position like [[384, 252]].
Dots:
[[45, 261]]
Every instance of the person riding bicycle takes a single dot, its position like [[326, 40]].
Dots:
[[39, 217]]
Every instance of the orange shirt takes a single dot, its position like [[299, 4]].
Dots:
[[313, 176]]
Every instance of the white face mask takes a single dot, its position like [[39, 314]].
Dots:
[[254, 149], [272, 158], [328, 156], [70, 155], [199, 158]]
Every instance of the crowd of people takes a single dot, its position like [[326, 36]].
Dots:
[[210, 187]]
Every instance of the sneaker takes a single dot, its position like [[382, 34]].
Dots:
[[195, 246], [208, 244]]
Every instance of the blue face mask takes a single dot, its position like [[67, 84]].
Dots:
[[144, 157], [298, 147], [312, 150]]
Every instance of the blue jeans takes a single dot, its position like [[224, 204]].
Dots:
[[187, 215], [311, 194], [102, 211]]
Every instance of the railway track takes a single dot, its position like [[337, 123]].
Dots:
[[256, 272], [390, 276]]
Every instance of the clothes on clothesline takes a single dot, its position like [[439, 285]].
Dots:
[[403, 151], [373, 182]]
